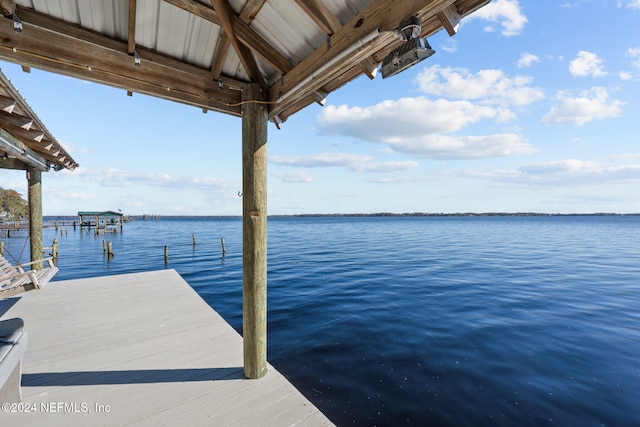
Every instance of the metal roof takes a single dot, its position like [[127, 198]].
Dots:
[[100, 213], [202, 52], [24, 140]]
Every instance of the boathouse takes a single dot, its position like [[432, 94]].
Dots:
[[260, 60], [27, 145], [105, 220]]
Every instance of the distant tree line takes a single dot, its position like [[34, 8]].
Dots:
[[12, 206]]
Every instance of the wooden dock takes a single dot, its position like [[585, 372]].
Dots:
[[140, 349]]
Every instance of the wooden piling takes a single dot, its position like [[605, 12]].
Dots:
[[166, 254], [34, 178], [54, 249], [224, 250], [2, 248], [193, 237], [104, 246], [110, 249], [254, 231]]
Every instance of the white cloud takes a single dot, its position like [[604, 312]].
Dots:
[[322, 160], [579, 171], [452, 147], [570, 166], [593, 104], [422, 127], [295, 177], [633, 4], [491, 87], [527, 59], [112, 177], [354, 162], [505, 13], [586, 64], [387, 167], [564, 173], [634, 54], [389, 121]]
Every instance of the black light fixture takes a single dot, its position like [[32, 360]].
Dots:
[[409, 28], [407, 55], [414, 50]]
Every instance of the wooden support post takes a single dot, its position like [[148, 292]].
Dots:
[[193, 237], [1, 248], [110, 249], [54, 249], [224, 250], [254, 231], [34, 178], [166, 254]]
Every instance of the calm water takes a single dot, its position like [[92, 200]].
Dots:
[[422, 321]]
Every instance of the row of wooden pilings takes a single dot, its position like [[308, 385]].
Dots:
[[193, 238], [107, 248]]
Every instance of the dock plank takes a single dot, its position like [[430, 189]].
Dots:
[[141, 349]]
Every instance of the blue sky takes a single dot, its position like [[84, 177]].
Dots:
[[533, 106]]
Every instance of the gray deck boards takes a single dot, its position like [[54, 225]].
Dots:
[[151, 349]]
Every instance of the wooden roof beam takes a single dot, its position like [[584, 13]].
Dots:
[[450, 18], [15, 120], [247, 15], [26, 136], [131, 29], [218, 59], [241, 29], [6, 7], [7, 104], [321, 15], [227, 17], [251, 10], [56, 46]]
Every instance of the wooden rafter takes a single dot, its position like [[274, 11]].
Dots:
[[247, 15], [218, 59], [227, 17], [321, 15], [242, 31], [251, 10], [131, 32], [16, 120], [450, 18], [6, 7], [55, 45]]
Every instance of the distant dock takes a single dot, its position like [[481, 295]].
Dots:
[[140, 349]]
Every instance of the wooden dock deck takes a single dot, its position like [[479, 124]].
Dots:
[[140, 349]]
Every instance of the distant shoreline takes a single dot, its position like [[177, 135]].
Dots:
[[147, 217]]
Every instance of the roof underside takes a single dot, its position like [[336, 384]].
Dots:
[[202, 53], [24, 140]]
